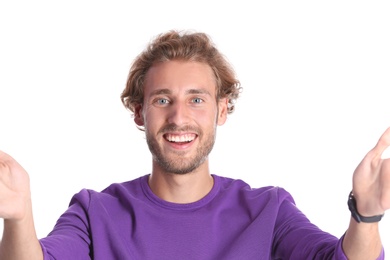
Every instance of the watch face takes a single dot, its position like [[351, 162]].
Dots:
[[352, 207]]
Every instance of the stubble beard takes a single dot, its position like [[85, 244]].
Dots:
[[175, 163]]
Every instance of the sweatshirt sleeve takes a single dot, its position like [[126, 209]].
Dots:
[[70, 238], [297, 238]]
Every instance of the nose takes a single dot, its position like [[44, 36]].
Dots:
[[178, 114]]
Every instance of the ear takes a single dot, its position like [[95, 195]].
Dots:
[[222, 111], [138, 117]]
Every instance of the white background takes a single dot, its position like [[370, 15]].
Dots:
[[316, 94]]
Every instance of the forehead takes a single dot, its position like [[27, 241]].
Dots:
[[177, 76]]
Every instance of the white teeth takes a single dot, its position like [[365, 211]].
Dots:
[[180, 138]]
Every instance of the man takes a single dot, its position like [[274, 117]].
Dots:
[[180, 89]]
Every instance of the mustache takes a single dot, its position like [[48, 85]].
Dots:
[[176, 128]]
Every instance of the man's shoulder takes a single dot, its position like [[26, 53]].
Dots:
[[116, 189], [247, 190], [130, 185]]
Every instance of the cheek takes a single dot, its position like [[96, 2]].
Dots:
[[207, 117], [153, 119]]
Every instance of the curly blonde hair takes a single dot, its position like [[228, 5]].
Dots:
[[186, 46]]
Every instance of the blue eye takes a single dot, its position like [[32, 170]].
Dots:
[[162, 101], [197, 100]]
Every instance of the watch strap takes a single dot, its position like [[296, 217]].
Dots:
[[355, 214]]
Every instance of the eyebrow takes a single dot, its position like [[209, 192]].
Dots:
[[160, 92], [166, 91]]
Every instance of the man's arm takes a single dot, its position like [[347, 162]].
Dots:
[[362, 241], [371, 188], [19, 237]]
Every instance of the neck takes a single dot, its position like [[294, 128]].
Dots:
[[181, 188]]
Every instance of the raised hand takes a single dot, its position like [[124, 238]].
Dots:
[[19, 239], [15, 197], [371, 180]]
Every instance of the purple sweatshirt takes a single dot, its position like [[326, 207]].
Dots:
[[233, 221]]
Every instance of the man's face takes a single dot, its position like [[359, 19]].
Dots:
[[180, 114]]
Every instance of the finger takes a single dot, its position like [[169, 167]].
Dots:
[[5, 159], [382, 144], [374, 156], [4, 156]]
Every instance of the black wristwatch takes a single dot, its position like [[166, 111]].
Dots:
[[355, 214]]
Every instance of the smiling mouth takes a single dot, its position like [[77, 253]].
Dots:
[[183, 138]]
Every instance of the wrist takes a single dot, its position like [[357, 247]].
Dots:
[[352, 205]]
